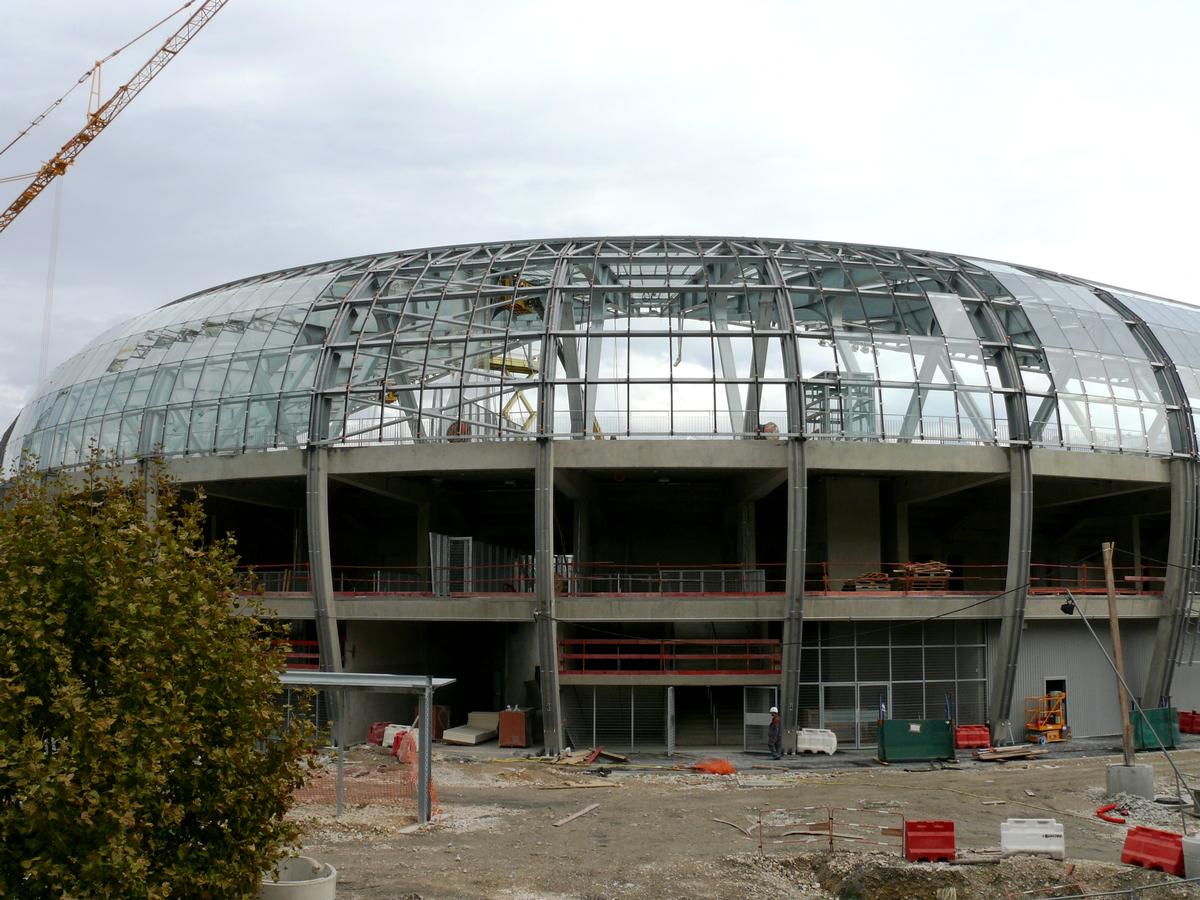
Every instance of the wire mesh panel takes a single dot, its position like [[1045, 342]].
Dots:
[[839, 712], [914, 665]]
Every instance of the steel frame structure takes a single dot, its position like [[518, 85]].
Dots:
[[691, 338]]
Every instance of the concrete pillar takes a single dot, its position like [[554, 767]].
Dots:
[[422, 540], [543, 565], [148, 470], [320, 565], [852, 527], [902, 548], [797, 529], [379, 647], [745, 514], [583, 531], [1180, 551], [1016, 586]]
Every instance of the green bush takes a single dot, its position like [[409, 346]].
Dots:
[[143, 748]]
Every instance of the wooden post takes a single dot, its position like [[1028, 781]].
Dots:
[[1114, 627]]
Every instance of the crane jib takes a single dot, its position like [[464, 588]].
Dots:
[[108, 111]]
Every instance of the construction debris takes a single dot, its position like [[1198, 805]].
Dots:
[[745, 831], [588, 757], [574, 816], [1016, 751]]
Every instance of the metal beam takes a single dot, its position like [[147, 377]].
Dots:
[[401, 490], [907, 497], [756, 485], [1104, 495]]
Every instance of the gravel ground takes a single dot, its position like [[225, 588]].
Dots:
[[654, 835]]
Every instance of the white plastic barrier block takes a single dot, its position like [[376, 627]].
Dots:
[[389, 735], [816, 740], [1041, 837], [1191, 855]]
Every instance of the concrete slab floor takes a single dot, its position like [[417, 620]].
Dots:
[[844, 759]]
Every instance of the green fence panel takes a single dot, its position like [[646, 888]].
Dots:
[[915, 740], [1166, 725]]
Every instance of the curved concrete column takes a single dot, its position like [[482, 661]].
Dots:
[[316, 495], [543, 573], [793, 623], [1176, 590], [1016, 586]]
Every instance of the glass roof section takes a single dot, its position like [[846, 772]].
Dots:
[[612, 338]]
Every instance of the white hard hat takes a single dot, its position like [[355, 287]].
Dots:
[[774, 709]]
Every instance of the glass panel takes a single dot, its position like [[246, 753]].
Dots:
[[817, 359], [951, 316], [1065, 371], [260, 423], [176, 433], [967, 361], [894, 355], [939, 420], [301, 369], [231, 423], [212, 379], [1133, 432], [186, 382], [933, 363], [203, 432], [1076, 428]]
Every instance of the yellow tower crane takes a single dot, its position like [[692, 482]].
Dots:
[[99, 118]]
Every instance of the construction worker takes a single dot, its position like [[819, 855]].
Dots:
[[775, 734]]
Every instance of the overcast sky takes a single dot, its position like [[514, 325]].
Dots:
[[1062, 135]]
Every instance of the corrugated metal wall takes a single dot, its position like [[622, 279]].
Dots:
[[1053, 649], [1185, 690]]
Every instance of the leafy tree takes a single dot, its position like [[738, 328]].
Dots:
[[143, 748]]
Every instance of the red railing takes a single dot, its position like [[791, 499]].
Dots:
[[1088, 578], [622, 656], [303, 654]]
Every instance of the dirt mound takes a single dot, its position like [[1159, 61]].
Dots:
[[880, 876]]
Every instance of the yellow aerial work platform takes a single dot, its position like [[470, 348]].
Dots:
[[1046, 718]]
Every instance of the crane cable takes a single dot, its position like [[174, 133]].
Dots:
[[82, 78]]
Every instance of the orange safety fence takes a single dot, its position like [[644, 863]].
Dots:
[[382, 780], [714, 767]]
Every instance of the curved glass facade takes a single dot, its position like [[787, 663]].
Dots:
[[631, 337]]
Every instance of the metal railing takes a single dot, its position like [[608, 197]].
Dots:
[[658, 578], [621, 656], [821, 578]]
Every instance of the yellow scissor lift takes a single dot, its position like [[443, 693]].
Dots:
[[1046, 718]]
